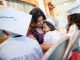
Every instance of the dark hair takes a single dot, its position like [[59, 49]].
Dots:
[[73, 18], [52, 28], [36, 13]]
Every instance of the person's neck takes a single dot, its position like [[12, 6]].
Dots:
[[3, 39]]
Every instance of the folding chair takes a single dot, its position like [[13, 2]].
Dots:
[[57, 51]]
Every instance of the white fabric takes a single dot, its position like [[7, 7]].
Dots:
[[14, 21], [51, 37], [72, 30], [53, 21], [20, 48]]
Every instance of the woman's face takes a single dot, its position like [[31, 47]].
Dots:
[[45, 28], [40, 21]]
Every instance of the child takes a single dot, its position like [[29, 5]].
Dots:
[[51, 36], [73, 25]]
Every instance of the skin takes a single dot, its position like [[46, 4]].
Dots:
[[40, 22], [45, 28], [39, 26]]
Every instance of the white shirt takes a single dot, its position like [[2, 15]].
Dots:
[[51, 37], [72, 30], [20, 48]]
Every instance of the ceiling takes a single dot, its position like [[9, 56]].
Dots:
[[57, 2]]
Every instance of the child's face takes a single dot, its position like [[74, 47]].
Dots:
[[45, 27]]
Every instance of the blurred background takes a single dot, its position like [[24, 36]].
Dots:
[[56, 8]]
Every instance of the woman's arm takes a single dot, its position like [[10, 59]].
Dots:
[[45, 47]]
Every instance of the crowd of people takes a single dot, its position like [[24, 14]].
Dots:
[[41, 35]]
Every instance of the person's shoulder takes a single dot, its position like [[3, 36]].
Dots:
[[52, 32], [29, 33], [32, 41], [48, 33], [55, 32], [73, 27], [23, 39]]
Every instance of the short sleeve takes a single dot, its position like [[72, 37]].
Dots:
[[51, 37], [72, 30], [47, 38]]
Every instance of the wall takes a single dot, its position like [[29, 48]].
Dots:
[[41, 5], [20, 5]]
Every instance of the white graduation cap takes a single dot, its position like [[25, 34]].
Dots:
[[49, 19], [52, 20], [14, 21]]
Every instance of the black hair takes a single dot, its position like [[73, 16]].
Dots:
[[52, 28], [73, 18], [36, 13]]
